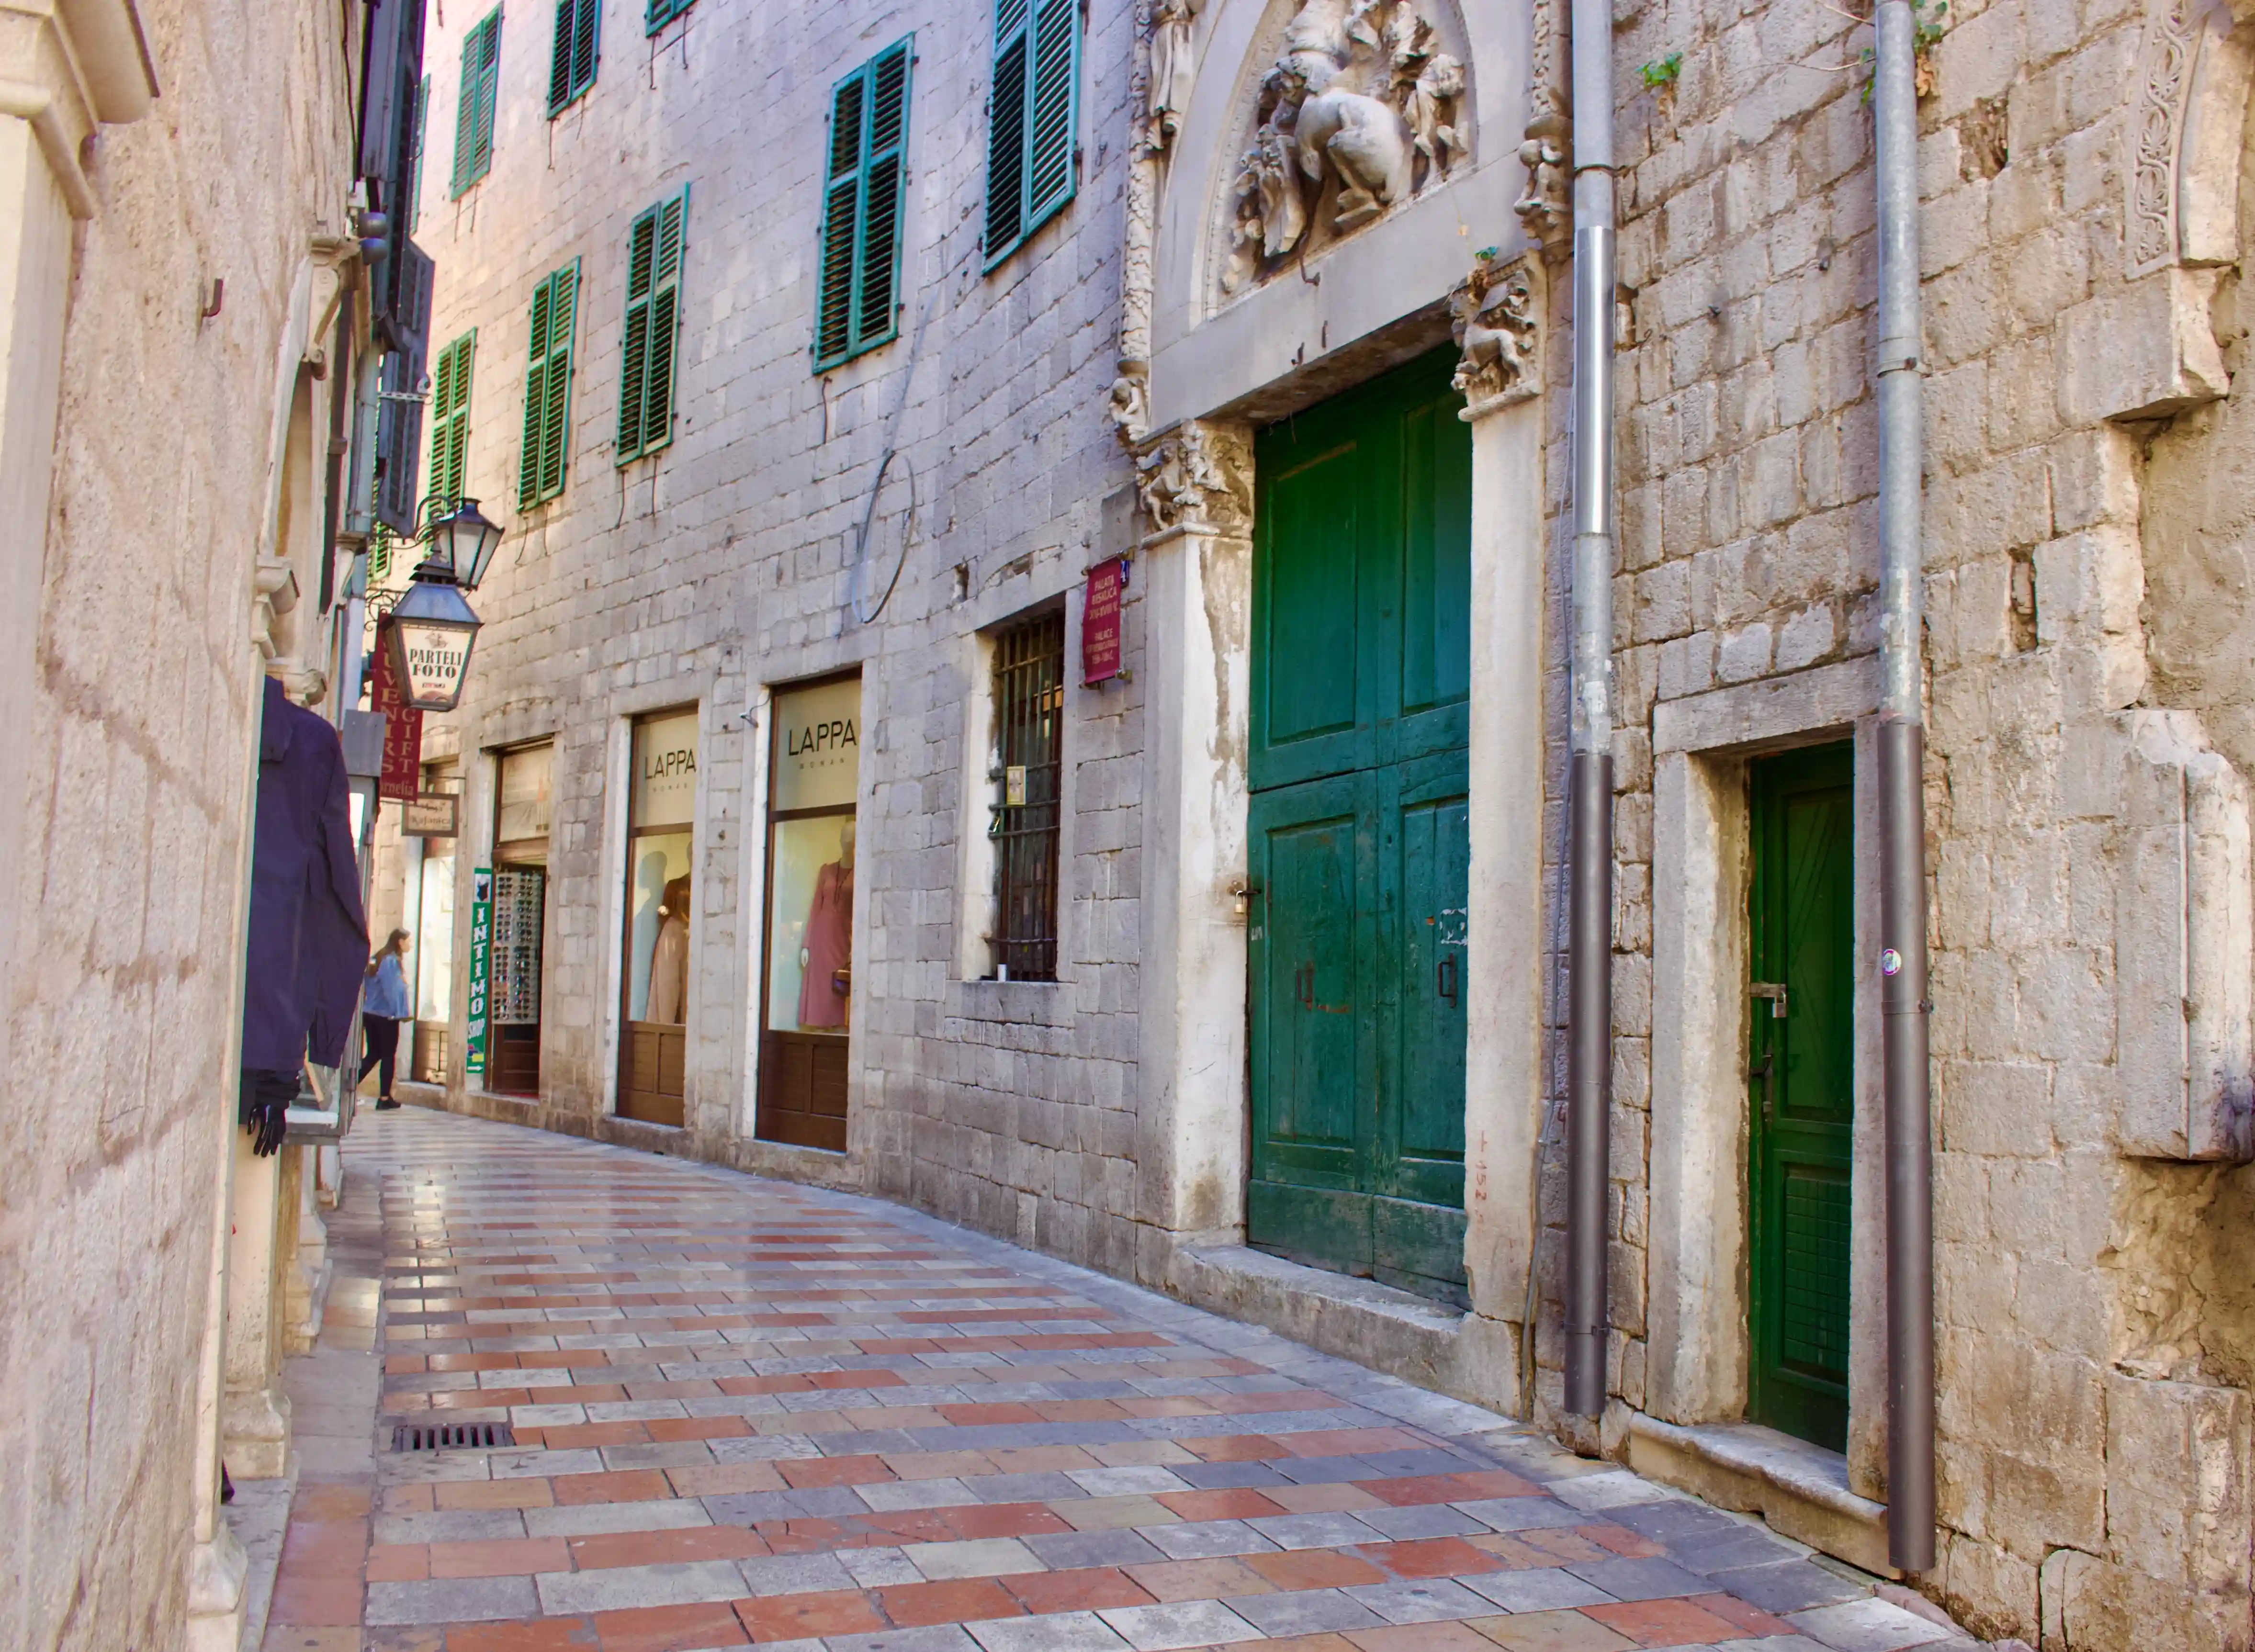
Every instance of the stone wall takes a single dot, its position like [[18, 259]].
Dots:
[[724, 566], [2084, 574], [128, 780]]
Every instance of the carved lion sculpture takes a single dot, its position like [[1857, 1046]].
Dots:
[[1497, 333], [1367, 140]]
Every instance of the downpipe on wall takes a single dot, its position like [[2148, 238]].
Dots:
[[1903, 811], [1589, 845]]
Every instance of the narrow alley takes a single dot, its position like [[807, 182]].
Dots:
[[751, 1412]]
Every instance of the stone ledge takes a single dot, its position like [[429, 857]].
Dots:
[[1375, 1326], [1801, 1490]]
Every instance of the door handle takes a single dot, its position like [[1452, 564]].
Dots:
[[1304, 985], [1444, 978], [1763, 1071]]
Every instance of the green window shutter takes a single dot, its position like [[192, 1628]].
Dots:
[[572, 56], [857, 308], [474, 104], [661, 12], [654, 251], [1032, 118], [407, 208], [548, 387], [450, 421]]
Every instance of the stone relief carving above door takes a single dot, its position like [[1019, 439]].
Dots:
[[1361, 104]]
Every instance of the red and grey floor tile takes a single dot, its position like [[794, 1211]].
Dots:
[[748, 1413]]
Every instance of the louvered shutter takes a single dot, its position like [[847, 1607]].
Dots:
[[654, 252], [661, 12], [1005, 132], [857, 306], [450, 421], [548, 387], [411, 197], [1049, 147], [474, 102], [399, 411], [572, 54]]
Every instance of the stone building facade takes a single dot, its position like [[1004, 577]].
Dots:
[[176, 187], [1276, 208]]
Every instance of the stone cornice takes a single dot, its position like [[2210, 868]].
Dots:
[[67, 67]]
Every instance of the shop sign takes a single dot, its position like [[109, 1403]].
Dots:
[[437, 655], [430, 814], [1100, 621], [665, 770], [818, 746], [473, 1045], [402, 724]]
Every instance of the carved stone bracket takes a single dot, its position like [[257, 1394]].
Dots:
[[1197, 476], [1498, 325]]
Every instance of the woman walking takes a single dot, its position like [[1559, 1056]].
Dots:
[[382, 1005]]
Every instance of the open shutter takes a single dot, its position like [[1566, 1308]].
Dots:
[[411, 197], [474, 104], [548, 387], [877, 278], [842, 211], [1049, 148], [450, 421], [665, 319], [641, 246], [1006, 131], [399, 409], [658, 13]]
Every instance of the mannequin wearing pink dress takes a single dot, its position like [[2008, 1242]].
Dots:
[[826, 951]]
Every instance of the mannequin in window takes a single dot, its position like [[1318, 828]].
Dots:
[[826, 985], [669, 955]]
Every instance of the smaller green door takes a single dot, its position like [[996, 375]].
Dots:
[[1801, 1089]]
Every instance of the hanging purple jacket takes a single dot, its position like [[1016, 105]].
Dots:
[[308, 939]]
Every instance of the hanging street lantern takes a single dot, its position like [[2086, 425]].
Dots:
[[433, 624], [465, 540]]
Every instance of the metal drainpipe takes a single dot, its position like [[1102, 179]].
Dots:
[[1590, 870], [1902, 813]]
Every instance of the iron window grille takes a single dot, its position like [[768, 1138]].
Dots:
[[1030, 727]]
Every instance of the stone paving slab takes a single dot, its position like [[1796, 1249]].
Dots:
[[749, 1413]]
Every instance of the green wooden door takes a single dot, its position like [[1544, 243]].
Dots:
[[1360, 680], [1801, 1089]]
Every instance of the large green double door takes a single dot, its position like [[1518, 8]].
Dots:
[[1360, 665]]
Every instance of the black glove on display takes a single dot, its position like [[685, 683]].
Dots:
[[264, 1108]]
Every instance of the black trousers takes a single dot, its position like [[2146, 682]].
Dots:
[[380, 1035]]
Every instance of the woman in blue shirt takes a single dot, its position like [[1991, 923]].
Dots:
[[382, 1005]]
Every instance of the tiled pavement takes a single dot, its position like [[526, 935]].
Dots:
[[753, 1413]]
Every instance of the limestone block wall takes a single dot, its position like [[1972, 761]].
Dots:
[[724, 566], [128, 784], [2085, 553]]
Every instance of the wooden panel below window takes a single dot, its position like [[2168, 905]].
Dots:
[[651, 1077], [803, 1090], [428, 1065], [516, 1064]]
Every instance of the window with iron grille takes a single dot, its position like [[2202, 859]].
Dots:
[[1029, 740]]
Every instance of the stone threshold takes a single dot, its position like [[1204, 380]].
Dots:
[[1801, 1490], [1383, 1328]]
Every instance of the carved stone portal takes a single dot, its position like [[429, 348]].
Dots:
[[1359, 111], [1499, 328]]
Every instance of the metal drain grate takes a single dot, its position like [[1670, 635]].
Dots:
[[451, 1437]]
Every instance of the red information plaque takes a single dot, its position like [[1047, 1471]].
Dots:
[[1099, 622], [402, 724]]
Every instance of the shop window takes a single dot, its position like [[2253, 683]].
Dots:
[[1025, 813], [807, 998], [514, 903], [661, 818], [434, 942]]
